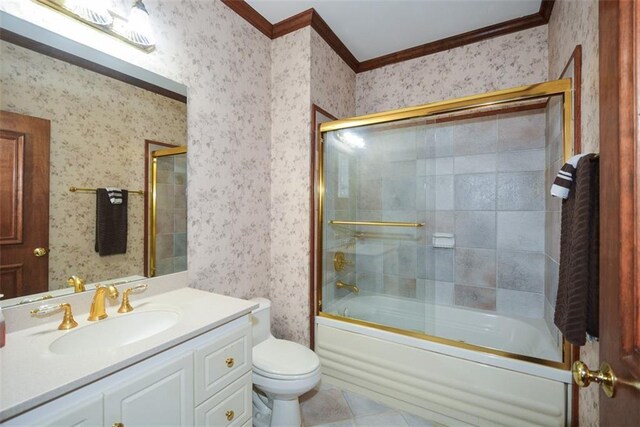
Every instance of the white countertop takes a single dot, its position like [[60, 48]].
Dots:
[[30, 374]]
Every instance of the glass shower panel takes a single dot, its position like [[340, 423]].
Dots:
[[375, 212], [442, 225]]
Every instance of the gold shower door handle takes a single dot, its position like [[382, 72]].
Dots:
[[605, 377], [40, 252]]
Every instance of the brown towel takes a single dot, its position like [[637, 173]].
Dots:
[[577, 302], [111, 224]]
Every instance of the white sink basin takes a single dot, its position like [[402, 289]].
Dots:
[[115, 332]]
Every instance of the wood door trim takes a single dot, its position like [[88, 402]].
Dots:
[[312, 17], [312, 223], [619, 181], [61, 55], [624, 130]]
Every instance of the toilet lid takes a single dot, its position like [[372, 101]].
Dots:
[[282, 357]]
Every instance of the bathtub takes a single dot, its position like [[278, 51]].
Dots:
[[462, 375]]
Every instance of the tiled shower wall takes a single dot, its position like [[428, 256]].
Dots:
[[171, 215], [481, 179]]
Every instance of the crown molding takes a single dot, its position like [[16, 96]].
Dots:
[[501, 29], [310, 17], [546, 7], [323, 29], [250, 15]]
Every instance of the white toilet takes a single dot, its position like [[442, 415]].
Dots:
[[282, 371]]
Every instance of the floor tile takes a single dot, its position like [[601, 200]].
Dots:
[[416, 421], [345, 423], [323, 407], [361, 406], [387, 419], [329, 406]]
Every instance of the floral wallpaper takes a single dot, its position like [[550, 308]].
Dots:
[[290, 124], [499, 63], [98, 129], [333, 82], [576, 23], [305, 70], [225, 63]]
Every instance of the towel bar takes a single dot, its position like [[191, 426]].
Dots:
[[378, 223], [93, 190]]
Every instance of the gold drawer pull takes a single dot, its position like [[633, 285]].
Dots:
[[118, 425], [229, 363], [230, 415]]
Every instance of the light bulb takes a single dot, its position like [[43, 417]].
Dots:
[[139, 27]]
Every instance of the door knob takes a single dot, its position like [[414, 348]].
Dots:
[[605, 377], [40, 252]]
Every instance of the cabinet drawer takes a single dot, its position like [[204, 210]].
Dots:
[[221, 362], [230, 407]]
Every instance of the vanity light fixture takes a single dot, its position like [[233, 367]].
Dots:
[[135, 30], [93, 11]]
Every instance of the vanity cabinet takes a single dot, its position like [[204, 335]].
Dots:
[[203, 381]]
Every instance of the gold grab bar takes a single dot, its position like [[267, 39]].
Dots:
[[93, 190], [378, 223], [352, 288]]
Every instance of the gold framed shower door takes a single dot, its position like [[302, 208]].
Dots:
[[153, 210], [535, 91]]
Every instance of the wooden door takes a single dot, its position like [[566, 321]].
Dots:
[[620, 210], [24, 204]]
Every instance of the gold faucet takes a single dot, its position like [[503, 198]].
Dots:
[[98, 311], [77, 282], [352, 288]]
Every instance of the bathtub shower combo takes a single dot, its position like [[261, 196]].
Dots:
[[437, 258]]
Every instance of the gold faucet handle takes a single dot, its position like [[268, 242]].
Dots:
[[125, 307], [68, 322], [77, 283]]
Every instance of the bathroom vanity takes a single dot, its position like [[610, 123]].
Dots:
[[191, 367]]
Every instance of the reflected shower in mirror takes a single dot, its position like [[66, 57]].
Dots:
[[92, 135]]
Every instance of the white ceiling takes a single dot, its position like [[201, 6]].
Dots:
[[372, 28]]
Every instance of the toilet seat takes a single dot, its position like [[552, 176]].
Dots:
[[285, 360], [271, 375]]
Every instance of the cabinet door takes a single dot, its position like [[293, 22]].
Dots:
[[221, 362], [231, 407], [160, 396], [76, 412]]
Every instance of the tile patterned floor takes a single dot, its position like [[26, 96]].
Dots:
[[330, 406]]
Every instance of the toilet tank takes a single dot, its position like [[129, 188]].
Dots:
[[261, 320]]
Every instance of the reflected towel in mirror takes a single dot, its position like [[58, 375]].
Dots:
[[111, 224]]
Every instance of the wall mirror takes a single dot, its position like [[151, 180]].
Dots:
[[66, 131]]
